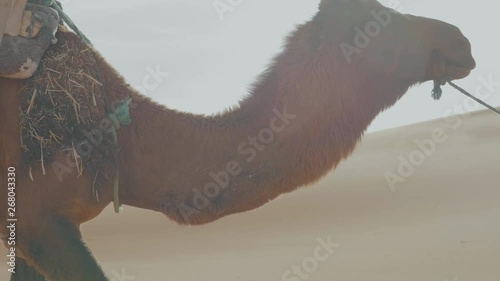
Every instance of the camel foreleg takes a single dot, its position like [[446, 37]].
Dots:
[[59, 253]]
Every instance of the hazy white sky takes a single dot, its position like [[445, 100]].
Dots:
[[211, 62]]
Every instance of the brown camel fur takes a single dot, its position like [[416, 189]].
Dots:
[[304, 114]]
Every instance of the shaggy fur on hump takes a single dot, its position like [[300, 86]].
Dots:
[[63, 109]]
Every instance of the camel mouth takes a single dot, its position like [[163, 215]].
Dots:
[[444, 67], [468, 63], [460, 69]]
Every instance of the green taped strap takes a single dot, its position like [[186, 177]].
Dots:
[[121, 115]]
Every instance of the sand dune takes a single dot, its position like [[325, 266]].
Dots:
[[440, 220]]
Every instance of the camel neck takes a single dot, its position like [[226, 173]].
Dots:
[[303, 116]]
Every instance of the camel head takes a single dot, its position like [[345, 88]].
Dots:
[[377, 40]]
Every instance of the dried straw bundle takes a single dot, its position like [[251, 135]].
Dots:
[[63, 108]]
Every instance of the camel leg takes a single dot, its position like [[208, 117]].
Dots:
[[59, 253], [24, 272]]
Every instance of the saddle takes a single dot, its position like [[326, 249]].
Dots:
[[29, 31]]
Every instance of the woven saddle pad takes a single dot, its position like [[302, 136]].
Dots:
[[20, 55]]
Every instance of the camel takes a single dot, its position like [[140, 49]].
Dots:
[[304, 114]]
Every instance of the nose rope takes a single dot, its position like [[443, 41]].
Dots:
[[437, 92]]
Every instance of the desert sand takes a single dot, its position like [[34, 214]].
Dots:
[[439, 220]]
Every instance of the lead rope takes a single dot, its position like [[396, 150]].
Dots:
[[437, 93], [69, 22]]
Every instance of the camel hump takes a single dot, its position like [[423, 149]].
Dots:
[[27, 31]]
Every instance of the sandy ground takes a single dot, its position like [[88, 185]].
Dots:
[[440, 221]]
